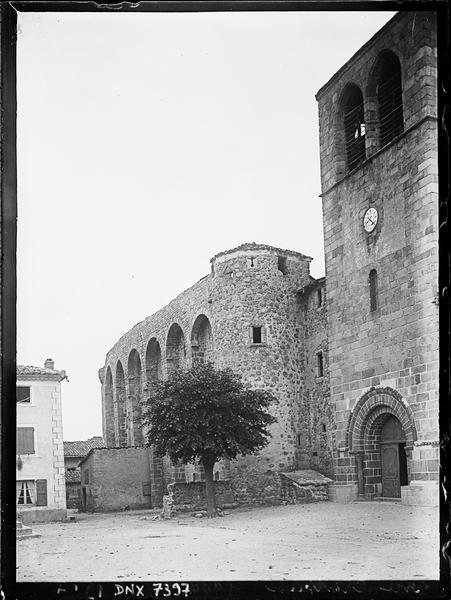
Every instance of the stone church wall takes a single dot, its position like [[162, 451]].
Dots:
[[252, 286]]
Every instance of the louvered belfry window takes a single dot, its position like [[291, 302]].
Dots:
[[389, 99], [354, 126]]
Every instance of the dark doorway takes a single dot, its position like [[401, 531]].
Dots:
[[84, 499], [393, 458], [391, 486], [403, 464]]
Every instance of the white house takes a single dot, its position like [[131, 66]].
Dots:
[[40, 481]]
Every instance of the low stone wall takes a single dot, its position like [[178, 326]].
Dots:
[[343, 493], [251, 485], [191, 496], [47, 515], [304, 486]]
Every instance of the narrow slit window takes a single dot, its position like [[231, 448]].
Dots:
[[282, 264], [319, 297], [319, 364], [372, 283], [256, 335]]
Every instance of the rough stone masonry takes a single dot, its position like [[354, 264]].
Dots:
[[352, 357]]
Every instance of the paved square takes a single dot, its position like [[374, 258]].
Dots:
[[361, 540]]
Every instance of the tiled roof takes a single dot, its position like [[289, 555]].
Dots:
[[30, 372], [73, 476], [312, 284], [81, 448]]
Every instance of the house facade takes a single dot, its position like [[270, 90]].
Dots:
[[74, 452], [40, 485]]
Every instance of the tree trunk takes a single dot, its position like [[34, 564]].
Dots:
[[209, 487]]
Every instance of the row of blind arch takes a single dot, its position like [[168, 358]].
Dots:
[[123, 429], [384, 102]]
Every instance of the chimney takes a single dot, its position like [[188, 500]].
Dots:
[[49, 363]]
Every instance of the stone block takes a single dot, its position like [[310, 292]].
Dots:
[[343, 493]]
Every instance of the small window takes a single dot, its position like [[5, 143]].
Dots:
[[319, 364], [252, 261], [216, 475], [372, 283], [298, 439], [23, 393], [25, 440], [323, 427], [315, 453], [86, 478], [282, 264], [319, 297], [256, 335], [194, 476], [25, 492]]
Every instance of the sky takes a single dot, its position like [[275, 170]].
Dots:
[[146, 144]]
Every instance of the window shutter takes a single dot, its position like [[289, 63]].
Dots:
[[25, 440], [146, 488], [41, 492]]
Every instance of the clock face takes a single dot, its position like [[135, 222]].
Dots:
[[370, 219]]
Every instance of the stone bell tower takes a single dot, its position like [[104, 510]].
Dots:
[[378, 147]]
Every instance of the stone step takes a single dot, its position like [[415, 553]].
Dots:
[[24, 532], [386, 499]]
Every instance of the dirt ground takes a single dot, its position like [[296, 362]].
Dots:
[[361, 540]]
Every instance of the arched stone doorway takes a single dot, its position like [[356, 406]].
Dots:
[[381, 433]]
